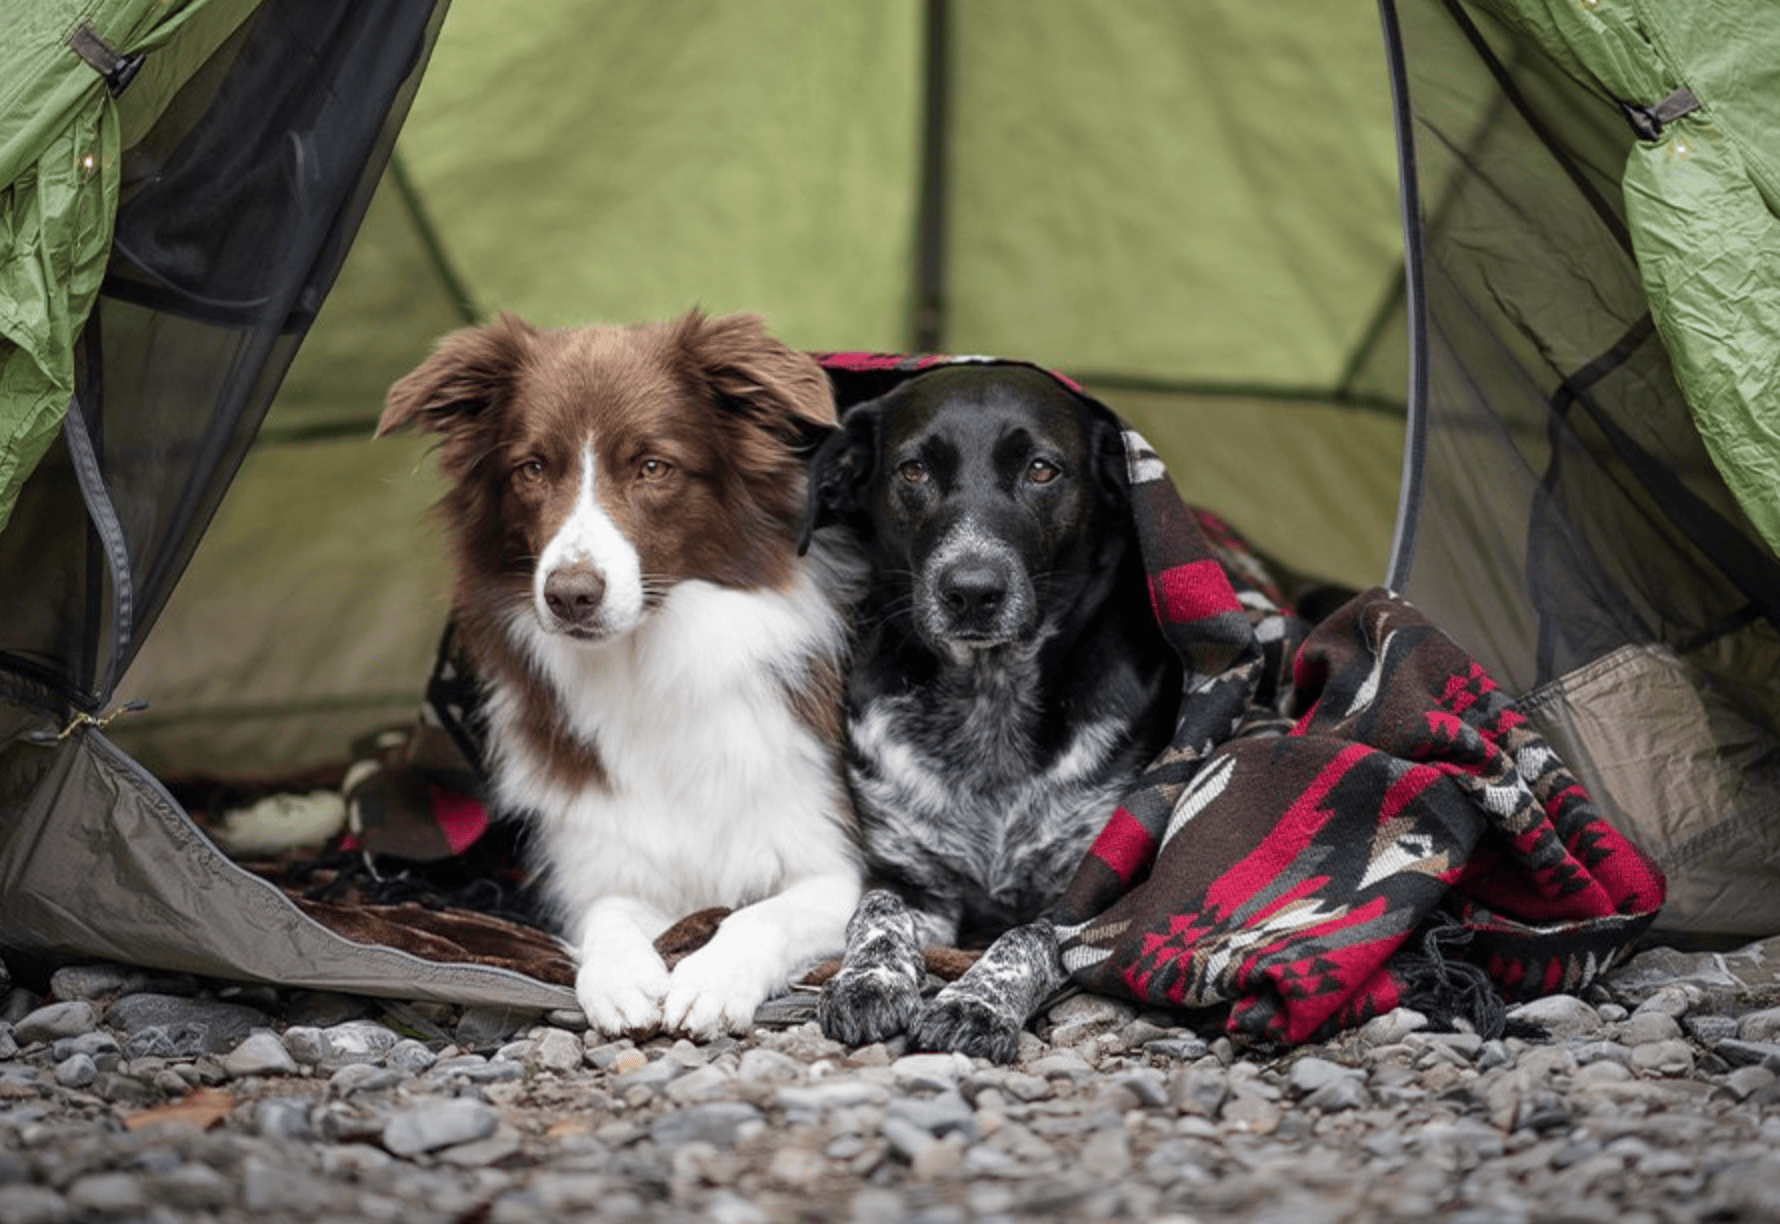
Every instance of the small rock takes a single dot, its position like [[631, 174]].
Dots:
[[1108, 1152], [700, 1085], [358, 1041], [1671, 1058], [1645, 1027], [55, 1021], [1179, 1047], [570, 1018], [31, 1205], [1311, 1073], [268, 1188], [411, 1057], [76, 1071], [281, 1118], [1199, 1091], [556, 1050], [1745, 1082], [186, 1027], [762, 1066], [929, 1072], [105, 1194], [1709, 1030], [809, 1103], [1749, 1189], [192, 1187], [306, 1043], [363, 1077], [260, 1054], [94, 982], [1671, 1001], [1562, 1016], [1339, 1095], [9, 1048], [940, 1115], [481, 1153], [1740, 1053], [101, 1047], [719, 1123], [654, 1076], [439, 1124], [1392, 1027], [1760, 1026], [1062, 1064]]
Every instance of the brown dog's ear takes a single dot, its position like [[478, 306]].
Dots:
[[840, 471], [471, 369], [783, 389]]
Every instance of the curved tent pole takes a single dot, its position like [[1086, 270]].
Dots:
[[1415, 306]]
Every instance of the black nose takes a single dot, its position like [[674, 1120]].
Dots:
[[973, 592], [573, 593]]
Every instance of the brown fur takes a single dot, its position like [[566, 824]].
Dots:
[[725, 405]]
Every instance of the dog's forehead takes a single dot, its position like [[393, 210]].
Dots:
[[973, 407], [604, 379]]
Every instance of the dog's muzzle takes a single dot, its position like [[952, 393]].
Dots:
[[975, 599], [573, 595]]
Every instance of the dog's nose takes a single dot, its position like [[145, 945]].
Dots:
[[574, 592], [973, 592]]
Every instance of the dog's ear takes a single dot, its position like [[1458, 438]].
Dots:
[[781, 389], [842, 467], [1112, 465], [471, 370]]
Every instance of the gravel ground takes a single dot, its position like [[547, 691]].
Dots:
[[132, 1096]]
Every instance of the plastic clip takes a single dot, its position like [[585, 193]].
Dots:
[[118, 70], [1647, 121]]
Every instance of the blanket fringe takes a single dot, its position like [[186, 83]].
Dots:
[[1446, 988]]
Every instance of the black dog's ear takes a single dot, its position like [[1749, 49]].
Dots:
[[840, 470], [1112, 463]]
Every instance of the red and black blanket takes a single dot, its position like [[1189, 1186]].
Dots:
[[1350, 817]]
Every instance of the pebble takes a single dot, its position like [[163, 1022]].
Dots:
[[1656, 1103], [439, 1124]]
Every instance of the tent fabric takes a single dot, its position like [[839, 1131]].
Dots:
[[60, 166], [1702, 202], [1571, 528]]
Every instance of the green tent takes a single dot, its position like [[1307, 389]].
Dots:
[[1194, 209]]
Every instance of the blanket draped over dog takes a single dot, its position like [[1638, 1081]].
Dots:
[[1348, 818]]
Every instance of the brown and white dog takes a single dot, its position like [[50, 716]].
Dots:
[[662, 669]]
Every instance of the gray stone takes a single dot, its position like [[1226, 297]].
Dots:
[[944, 1114], [101, 1047], [1740, 1053], [55, 1021], [1709, 1030], [556, 1050], [1745, 1082], [31, 1205], [760, 1066], [1199, 1091], [719, 1123], [268, 1187], [1339, 1095], [1749, 1189], [1181, 1047], [16, 1004], [571, 1018], [306, 1043], [105, 1194], [1392, 1027], [1310, 1073], [439, 1124], [76, 1071], [700, 1085], [1064, 1064], [189, 1026], [1760, 1026], [929, 1072], [260, 1054], [906, 1139], [1648, 1026], [1671, 1001], [363, 1077], [95, 982], [9, 1046], [483, 1152], [281, 1118], [1562, 1016], [358, 1041], [1671, 1058], [192, 1187], [813, 1100], [412, 1057], [654, 1076]]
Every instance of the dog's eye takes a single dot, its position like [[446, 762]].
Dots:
[[913, 471], [529, 472], [1042, 471], [653, 468]]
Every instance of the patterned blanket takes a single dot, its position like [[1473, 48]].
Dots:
[[1350, 817]]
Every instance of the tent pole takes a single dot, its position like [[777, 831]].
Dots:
[[929, 323], [1415, 306]]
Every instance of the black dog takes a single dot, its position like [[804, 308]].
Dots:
[[1009, 682]]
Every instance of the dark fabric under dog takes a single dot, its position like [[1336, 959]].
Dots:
[[1349, 817]]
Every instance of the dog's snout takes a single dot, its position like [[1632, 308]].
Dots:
[[573, 593], [973, 591]]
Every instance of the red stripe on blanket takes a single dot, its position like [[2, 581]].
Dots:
[[1124, 845], [460, 818], [1290, 834], [1193, 592]]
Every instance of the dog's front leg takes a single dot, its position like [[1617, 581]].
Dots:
[[878, 986], [754, 952], [622, 980], [981, 1014]]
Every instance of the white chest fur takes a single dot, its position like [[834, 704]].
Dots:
[[715, 792]]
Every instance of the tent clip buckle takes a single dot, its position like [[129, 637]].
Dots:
[[1647, 121], [118, 70]]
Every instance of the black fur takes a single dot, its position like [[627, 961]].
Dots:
[[1009, 682]]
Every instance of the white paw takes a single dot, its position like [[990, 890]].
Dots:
[[623, 995], [712, 995]]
